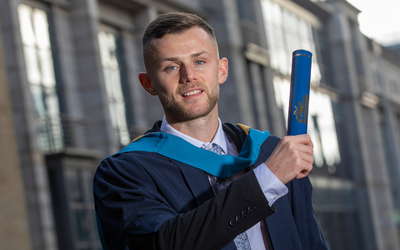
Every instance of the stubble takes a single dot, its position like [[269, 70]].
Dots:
[[181, 113]]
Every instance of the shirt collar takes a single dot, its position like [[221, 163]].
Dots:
[[219, 138]]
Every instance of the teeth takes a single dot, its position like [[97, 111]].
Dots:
[[192, 93]]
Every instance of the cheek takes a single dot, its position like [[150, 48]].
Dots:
[[165, 88]]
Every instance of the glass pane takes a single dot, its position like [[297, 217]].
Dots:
[[103, 48], [113, 114], [123, 129], [112, 78], [116, 83], [266, 10], [302, 25], [87, 179], [108, 82], [112, 49], [288, 21], [321, 107], [74, 189], [25, 22], [37, 94], [292, 42], [32, 67], [46, 64], [41, 29], [81, 224], [315, 73], [313, 131], [276, 14], [51, 101], [93, 224]]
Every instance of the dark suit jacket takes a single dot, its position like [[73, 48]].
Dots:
[[148, 201]]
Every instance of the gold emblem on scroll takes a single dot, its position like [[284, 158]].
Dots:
[[301, 111]]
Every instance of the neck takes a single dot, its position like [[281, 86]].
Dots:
[[202, 129]]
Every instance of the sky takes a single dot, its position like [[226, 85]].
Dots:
[[379, 20]]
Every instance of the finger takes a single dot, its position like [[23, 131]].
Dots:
[[306, 140], [305, 149], [301, 139], [301, 175], [304, 172], [308, 158]]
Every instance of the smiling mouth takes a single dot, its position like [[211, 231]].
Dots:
[[192, 92]]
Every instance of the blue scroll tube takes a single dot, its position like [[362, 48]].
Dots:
[[299, 92]]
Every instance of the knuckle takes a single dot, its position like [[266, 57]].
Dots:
[[285, 139], [291, 145], [297, 161]]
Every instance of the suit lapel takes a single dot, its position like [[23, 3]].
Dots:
[[197, 181]]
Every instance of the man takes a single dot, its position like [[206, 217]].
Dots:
[[192, 182]]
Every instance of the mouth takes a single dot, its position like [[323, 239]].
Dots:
[[191, 93]]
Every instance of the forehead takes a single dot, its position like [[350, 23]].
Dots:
[[192, 39]]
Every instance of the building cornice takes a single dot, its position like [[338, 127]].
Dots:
[[320, 9]]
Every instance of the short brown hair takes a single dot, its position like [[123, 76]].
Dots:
[[172, 23]]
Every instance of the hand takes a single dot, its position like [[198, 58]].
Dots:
[[292, 158]]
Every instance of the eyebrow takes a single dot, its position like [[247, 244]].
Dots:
[[173, 59], [199, 53], [176, 59]]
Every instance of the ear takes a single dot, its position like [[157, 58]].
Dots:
[[147, 84], [223, 70]]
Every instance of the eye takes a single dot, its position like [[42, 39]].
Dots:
[[200, 62], [170, 68]]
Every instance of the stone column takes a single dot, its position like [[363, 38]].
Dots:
[[147, 108], [14, 231], [235, 103], [84, 20], [259, 96]]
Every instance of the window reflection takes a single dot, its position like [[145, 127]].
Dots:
[[40, 72], [322, 130], [112, 77]]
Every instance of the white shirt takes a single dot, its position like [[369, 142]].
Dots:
[[271, 186]]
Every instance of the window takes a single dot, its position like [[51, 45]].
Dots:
[[40, 72], [81, 209], [110, 51], [286, 33]]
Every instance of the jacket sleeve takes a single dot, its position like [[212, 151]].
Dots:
[[130, 206], [213, 224]]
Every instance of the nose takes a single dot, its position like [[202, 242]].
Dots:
[[187, 74]]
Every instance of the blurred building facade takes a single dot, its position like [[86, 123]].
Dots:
[[71, 87]]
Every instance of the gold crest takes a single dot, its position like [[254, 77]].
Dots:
[[301, 112]]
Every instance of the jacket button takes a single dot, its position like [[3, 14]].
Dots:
[[245, 212], [232, 222], [251, 208], [239, 217]]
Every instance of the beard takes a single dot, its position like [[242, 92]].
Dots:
[[180, 113]]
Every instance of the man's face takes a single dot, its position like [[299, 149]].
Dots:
[[185, 73]]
